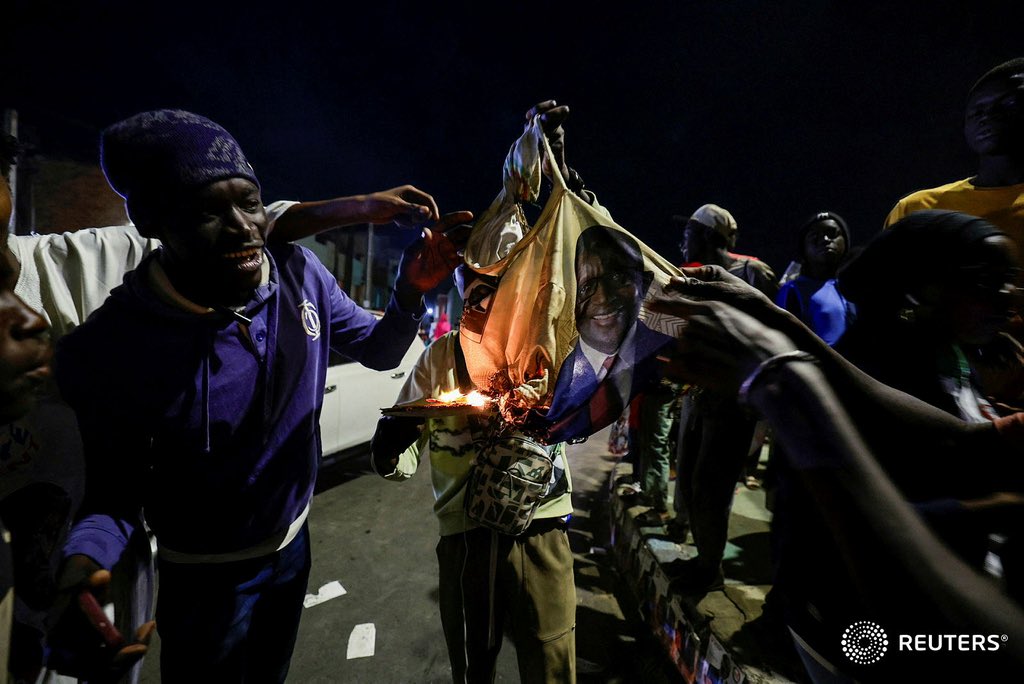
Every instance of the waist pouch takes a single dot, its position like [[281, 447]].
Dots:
[[509, 480]]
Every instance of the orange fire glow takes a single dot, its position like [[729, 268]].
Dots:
[[455, 397]]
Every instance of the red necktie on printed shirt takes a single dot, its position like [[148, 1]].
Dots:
[[605, 404]]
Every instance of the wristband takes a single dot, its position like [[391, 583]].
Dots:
[[768, 364]]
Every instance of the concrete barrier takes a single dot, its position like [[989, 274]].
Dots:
[[697, 637]]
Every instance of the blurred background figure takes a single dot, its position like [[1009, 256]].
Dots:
[[710, 235], [442, 327], [810, 293], [717, 437], [658, 408], [934, 284], [823, 243]]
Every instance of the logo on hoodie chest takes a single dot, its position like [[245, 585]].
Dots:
[[310, 319]]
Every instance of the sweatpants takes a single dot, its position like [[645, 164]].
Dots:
[[488, 579]]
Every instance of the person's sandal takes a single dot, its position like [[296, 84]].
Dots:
[[652, 518]]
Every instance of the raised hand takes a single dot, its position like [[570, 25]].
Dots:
[[552, 116], [406, 205], [432, 257]]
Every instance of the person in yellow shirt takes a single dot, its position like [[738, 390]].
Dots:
[[994, 129]]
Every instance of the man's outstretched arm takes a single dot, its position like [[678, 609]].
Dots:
[[405, 205]]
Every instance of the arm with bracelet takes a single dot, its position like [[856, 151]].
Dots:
[[844, 478], [908, 433], [805, 391]]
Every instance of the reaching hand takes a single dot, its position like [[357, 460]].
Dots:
[[715, 283], [720, 344], [432, 257], [552, 116], [406, 205]]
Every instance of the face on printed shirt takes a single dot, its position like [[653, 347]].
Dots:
[[609, 290]]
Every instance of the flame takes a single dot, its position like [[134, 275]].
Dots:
[[449, 397], [474, 398]]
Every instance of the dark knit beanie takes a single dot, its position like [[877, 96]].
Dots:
[[168, 150], [1004, 70]]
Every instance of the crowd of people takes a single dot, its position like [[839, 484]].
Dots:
[[888, 377], [929, 307]]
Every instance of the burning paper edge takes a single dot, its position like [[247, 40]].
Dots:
[[445, 404], [418, 410], [474, 398]]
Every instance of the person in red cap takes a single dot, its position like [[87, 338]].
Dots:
[[717, 435]]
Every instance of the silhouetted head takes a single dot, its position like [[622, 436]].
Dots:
[[951, 274]]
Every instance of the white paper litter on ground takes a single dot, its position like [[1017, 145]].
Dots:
[[361, 641], [324, 593]]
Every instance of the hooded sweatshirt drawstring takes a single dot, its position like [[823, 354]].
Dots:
[[154, 286], [205, 403], [273, 312]]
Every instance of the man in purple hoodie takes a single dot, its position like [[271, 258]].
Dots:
[[198, 387]]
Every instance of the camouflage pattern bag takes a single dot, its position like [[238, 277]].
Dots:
[[509, 479]]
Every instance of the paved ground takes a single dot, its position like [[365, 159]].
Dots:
[[376, 539]]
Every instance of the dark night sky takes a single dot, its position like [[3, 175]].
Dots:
[[773, 110]]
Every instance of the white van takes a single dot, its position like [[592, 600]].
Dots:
[[353, 398]]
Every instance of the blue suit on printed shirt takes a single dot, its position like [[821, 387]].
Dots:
[[581, 406]]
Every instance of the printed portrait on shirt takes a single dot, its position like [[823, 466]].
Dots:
[[615, 355]]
